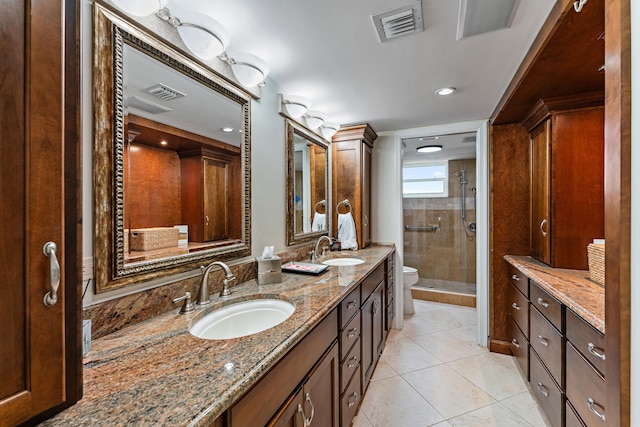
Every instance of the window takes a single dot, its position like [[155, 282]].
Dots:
[[425, 180]]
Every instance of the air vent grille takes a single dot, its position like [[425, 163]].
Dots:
[[399, 22], [165, 92], [146, 105], [469, 139]]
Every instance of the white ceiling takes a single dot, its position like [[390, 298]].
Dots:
[[328, 51]]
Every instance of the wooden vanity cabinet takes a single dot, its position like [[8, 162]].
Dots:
[[518, 326], [351, 168], [210, 180], [390, 313], [567, 185]]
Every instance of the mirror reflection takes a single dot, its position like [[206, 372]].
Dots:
[[307, 172]]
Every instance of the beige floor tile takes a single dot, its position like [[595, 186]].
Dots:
[[405, 355], [494, 415], [361, 420], [395, 334], [496, 374], [526, 406], [442, 424], [424, 306], [393, 402], [383, 371], [447, 347], [466, 333], [447, 391], [419, 324]]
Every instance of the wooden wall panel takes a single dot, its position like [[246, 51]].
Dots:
[[509, 217]]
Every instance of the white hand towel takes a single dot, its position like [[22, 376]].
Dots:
[[347, 231], [319, 221]]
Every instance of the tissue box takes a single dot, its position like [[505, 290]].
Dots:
[[147, 239], [269, 270]]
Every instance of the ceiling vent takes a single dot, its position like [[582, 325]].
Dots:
[[164, 92], [146, 105], [483, 16], [469, 139], [402, 21]]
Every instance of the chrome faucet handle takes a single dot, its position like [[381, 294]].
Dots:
[[312, 257], [187, 307], [228, 281]]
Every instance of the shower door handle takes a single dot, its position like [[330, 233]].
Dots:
[[542, 224]]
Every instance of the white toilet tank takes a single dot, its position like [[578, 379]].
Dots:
[[409, 275]]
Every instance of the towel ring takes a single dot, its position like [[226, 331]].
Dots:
[[344, 202], [321, 203]]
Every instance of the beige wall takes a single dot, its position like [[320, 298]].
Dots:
[[446, 254]]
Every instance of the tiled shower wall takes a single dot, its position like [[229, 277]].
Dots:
[[447, 254]]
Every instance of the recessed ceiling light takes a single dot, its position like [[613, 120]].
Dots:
[[429, 149], [163, 142], [227, 129], [445, 91]]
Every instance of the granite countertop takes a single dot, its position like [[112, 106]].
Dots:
[[157, 373], [573, 288]]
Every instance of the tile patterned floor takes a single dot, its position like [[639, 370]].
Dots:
[[432, 373]]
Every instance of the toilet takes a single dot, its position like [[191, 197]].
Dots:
[[409, 278]]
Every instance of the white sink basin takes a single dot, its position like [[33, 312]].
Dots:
[[242, 318], [343, 261]]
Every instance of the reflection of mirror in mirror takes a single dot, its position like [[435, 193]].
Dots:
[[307, 184], [172, 144]]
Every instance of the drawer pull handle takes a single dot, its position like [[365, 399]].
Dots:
[[376, 306], [302, 414], [307, 421], [51, 298], [516, 278], [543, 341], [352, 304], [355, 400], [515, 306], [353, 333], [542, 224], [542, 389], [355, 363], [592, 349], [543, 303], [515, 343], [591, 404]]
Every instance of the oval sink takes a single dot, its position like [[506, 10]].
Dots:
[[343, 261], [242, 319]]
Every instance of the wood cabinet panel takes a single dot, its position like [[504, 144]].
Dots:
[[550, 307], [585, 388], [546, 391], [351, 398], [349, 307], [372, 333], [372, 281], [519, 280], [548, 344], [519, 347], [571, 418], [350, 365], [587, 340], [519, 309], [350, 335], [541, 192]]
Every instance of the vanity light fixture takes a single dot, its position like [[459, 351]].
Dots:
[[295, 106], [227, 129], [248, 69], [315, 119], [445, 91], [140, 7], [203, 35], [329, 129], [429, 149]]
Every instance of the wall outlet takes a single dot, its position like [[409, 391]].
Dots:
[[87, 269], [86, 336]]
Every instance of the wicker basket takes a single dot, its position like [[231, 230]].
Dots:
[[595, 251], [147, 239]]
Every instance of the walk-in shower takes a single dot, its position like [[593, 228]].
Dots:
[[439, 213]]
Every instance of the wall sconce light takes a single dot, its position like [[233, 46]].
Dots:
[[315, 119], [248, 69], [295, 106], [140, 7], [203, 35], [329, 129]]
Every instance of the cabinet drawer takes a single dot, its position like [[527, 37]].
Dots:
[[587, 340], [519, 347], [519, 280], [585, 388], [372, 281], [547, 342], [349, 335], [349, 306], [349, 366], [519, 309], [546, 391], [571, 418], [350, 400], [550, 307]]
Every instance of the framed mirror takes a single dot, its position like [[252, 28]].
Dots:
[[171, 158], [307, 185]]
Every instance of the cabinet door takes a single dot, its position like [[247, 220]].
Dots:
[[32, 150], [215, 206], [346, 180], [291, 414], [372, 333], [540, 192], [365, 239], [321, 391]]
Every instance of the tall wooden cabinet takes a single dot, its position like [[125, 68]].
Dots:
[[40, 350], [351, 170], [567, 185]]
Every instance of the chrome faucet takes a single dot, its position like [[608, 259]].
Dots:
[[203, 297], [314, 252]]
